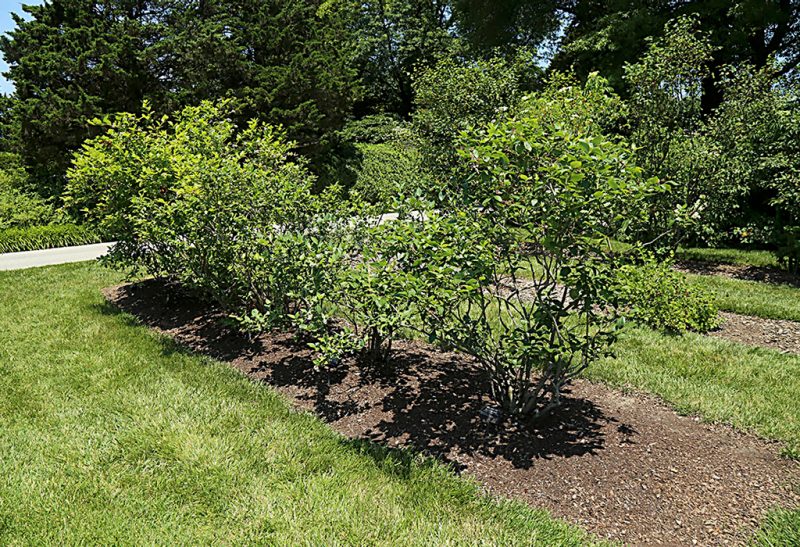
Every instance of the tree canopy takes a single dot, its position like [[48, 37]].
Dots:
[[605, 35], [311, 66]]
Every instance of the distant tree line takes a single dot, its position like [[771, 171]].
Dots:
[[314, 65]]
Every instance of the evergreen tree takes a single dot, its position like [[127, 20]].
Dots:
[[392, 40], [74, 60], [280, 60], [500, 26]]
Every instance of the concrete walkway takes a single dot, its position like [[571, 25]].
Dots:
[[81, 253], [48, 257]]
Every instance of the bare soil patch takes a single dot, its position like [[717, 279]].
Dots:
[[776, 334], [623, 466], [739, 271]]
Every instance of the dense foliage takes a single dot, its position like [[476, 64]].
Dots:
[[706, 90], [546, 198], [33, 238], [520, 275], [228, 213], [452, 96], [387, 171], [73, 60], [655, 294], [19, 209], [735, 170], [604, 36], [249, 150]]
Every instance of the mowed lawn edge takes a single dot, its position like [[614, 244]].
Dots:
[[754, 298], [103, 413], [110, 433], [724, 255], [752, 389]]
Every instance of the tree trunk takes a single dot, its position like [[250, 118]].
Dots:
[[712, 94]]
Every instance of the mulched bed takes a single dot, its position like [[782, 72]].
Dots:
[[776, 334], [739, 271], [623, 466]]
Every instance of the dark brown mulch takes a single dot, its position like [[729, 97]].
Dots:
[[776, 334], [623, 466], [739, 271]]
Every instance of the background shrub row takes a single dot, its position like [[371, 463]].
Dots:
[[45, 237]]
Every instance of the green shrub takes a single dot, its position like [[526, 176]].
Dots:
[[19, 209], [45, 237], [376, 129], [331, 348], [375, 294], [590, 108], [736, 169], [228, 212], [388, 171], [293, 269], [454, 95], [657, 295], [544, 199], [788, 248]]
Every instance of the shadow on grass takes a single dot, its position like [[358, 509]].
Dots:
[[194, 324], [761, 274]]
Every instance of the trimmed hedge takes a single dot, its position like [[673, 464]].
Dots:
[[389, 170], [45, 237]]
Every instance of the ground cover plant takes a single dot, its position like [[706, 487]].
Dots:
[[780, 528], [147, 441], [658, 296], [45, 237]]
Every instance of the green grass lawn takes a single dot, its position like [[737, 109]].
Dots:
[[752, 389], [751, 297], [109, 434], [762, 259], [779, 529], [771, 301]]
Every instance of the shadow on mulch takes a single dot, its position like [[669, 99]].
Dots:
[[623, 466], [772, 276], [430, 399]]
